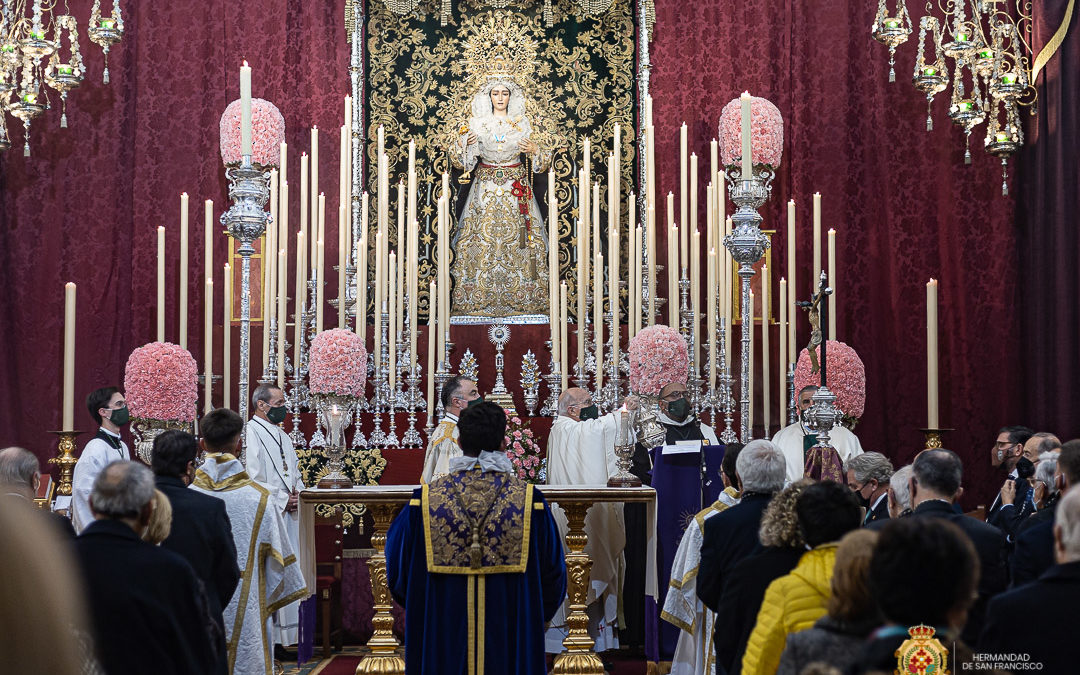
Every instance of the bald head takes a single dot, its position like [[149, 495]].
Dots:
[[19, 472], [123, 491], [572, 401]]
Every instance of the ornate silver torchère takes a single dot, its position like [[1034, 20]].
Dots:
[[246, 221], [747, 244]]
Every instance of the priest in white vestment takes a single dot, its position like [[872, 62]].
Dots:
[[581, 451], [458, 393], [271, 462], [795, 439], [694, 652], [270, 573]]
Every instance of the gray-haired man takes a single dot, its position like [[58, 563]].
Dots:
[[147, 607]]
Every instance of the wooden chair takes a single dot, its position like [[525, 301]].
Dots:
[[328, 554]]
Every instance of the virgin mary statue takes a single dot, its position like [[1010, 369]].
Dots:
[[500, 243]]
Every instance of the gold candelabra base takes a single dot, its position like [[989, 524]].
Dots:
[[385, 657], [579, 658], [933, 438], [66, 460]]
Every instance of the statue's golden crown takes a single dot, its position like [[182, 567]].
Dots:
[[500, 49]]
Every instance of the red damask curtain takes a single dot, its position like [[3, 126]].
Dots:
[[85, 206]]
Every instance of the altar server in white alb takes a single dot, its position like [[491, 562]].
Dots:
[[581, 451], [270, 576], [109, 410], [271, 462], [458, 393], [795, 439]]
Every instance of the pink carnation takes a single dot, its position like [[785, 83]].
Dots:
[[267, 133], [161, 383], [766, 133], [338, 363], [657, 358], [846, 377]]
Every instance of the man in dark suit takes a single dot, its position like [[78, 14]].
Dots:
[[935, 487], [201, 532], [868, 477], [1034, 551], [1053, 598], [20, 477], [147, 607], [1012, 504], [732, 535]]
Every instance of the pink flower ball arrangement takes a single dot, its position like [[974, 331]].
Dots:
[[161, 383], [267, 133], [524, 452], [657, 357], [766, 133], [846, 378], [338, 363]]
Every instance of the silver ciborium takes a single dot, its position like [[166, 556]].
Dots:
[[335, 414], [625, 439]]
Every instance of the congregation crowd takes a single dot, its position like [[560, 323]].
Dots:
[[186, 566]]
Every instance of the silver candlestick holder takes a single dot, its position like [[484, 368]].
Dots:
[[499, 335], [747, 244], [727, 399], [793, 404], [554, 386], [411, 438], [246, 220], [530, 381], [611, 393], [684, 307]]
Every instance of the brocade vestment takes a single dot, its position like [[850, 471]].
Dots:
[[476, 561], [442, 448], [270, 574]]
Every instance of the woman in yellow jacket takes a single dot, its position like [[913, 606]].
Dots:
[[826, 512]]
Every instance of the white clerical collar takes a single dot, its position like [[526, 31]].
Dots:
[[488, 461], [450, 417], [664, 419], [266, 423], [878, 500], [114, 435]]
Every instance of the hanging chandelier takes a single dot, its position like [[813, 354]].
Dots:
[[39, 50], [988, 43]]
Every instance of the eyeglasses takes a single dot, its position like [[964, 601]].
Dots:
[[1005, 444], [674, 396]]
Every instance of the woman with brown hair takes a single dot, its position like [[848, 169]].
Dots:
[[852, 614]]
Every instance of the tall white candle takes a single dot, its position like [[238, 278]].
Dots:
[[684, 196], [391, 334], [695, 300], [598, 318], [932, 420], [314, 172], [245, 109], [208, 344], [582, 286], [301, 254], [301, 295], [161, 283], [183, 268], [283, 293], [816, 271], [564, 363], [766, 377], [432, 329], [781, 379], [553, 264], [832, 283], [672, 263], [269, 260], [342, 262], [650, 236], [320, 289], [362, 275], [226, 339], [68, 415], [747, 162], [710, 324], [790, 357]]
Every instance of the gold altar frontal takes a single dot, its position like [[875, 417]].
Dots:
[[384, 502]]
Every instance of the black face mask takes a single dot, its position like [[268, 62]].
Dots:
[[678, 409], [120, 416], [1025, 468], [589, 413], [863, 501], [276, 415]]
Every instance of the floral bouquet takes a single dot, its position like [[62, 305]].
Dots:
[[338, 363], [657, 357], [161, 388], [267, 133], [524, 451], [161, 383], [766, 133], [846, 378]]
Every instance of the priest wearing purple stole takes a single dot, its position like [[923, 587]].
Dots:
[[476, 561]]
